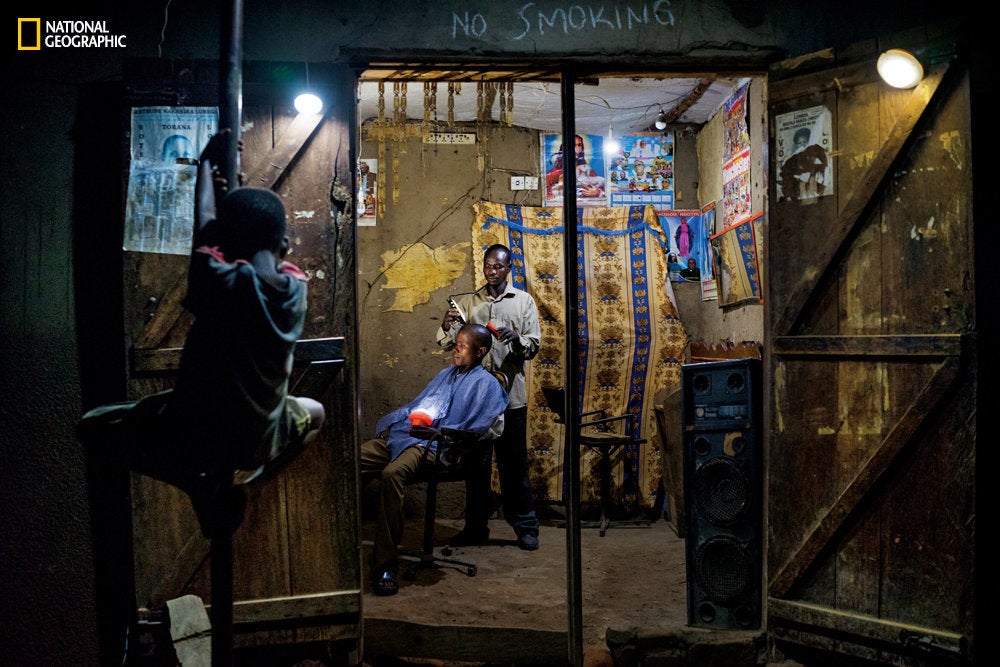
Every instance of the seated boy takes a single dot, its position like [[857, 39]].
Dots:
[[463, 396]]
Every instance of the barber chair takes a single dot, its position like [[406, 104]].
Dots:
[[455, 450], [599, 433], [217, 496], [458, 454]]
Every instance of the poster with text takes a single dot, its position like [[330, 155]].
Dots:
[[172, 135], [736, 188], [688, 257], [736, 136], [641, 171], [159, 207], [803, 140], [591, 174], [165, 144]]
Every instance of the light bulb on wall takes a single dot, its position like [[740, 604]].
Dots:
[[661, 121], [900, 68], [611, 145], [308, 103]]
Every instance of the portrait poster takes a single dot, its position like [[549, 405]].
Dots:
[[803, 140], [688, 258], [367, 191], [737, 269], [641, 171], [736, 188], [165, 143], [172, 135], [591, 171]]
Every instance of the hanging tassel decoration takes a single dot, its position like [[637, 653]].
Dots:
[[451, 102]]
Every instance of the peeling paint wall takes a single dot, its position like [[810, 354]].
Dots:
[[419, 252]]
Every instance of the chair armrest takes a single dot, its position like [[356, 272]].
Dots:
[[604, 421], [459, 434]]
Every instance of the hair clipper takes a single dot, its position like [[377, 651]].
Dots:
[[461, 315]]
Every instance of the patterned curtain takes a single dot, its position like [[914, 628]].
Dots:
[[631, 339]]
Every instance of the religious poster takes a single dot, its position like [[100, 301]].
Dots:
[[641, 171], [803, 140], [164, 149], [591, 172], [687, 253], [367, 191]]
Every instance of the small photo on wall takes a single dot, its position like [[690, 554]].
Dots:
[[367, 192]]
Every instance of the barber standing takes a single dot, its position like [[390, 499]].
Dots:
[[514, 316]]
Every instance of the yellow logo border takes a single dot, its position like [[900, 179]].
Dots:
[[21, 24]]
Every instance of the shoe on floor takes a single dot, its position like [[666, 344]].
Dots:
[[464, 538], [528, 542], [385, 582]]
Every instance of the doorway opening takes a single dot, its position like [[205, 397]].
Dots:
[[433, 143]]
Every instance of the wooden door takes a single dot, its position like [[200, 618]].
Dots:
[[872, 364], [296, 575]]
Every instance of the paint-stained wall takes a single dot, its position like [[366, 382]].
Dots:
[[419, 251]]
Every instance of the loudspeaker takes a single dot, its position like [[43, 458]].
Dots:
[[723, 491]]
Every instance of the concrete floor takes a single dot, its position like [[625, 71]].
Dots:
[[514, 610]]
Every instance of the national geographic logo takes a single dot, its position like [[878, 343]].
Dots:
[[33, 34]]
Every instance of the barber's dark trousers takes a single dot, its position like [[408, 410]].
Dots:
[[515, 486]]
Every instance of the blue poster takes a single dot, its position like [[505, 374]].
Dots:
[[689, 257], [642, 170]]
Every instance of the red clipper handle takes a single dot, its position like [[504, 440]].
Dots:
[[493, 330]]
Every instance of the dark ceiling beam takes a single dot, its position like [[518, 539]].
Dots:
[[690, 99]]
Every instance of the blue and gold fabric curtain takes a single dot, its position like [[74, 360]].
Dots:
[[631, 338]]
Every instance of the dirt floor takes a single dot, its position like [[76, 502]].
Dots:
[[631, 578]]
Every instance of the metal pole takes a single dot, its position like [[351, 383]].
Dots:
[[230, 116], [231, 85], [221, 571], [572, 382]]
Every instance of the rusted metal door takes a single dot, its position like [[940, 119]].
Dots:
[[296, 571], [871, 357]]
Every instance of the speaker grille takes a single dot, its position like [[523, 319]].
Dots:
[[723, 568], [722, 491]]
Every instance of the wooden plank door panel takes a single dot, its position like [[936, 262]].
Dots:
[[872, 364], [296, 569]]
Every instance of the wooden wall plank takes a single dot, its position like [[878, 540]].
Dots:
[[837, 233], [834, 520]]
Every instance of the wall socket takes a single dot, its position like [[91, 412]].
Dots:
[[523, 182]]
